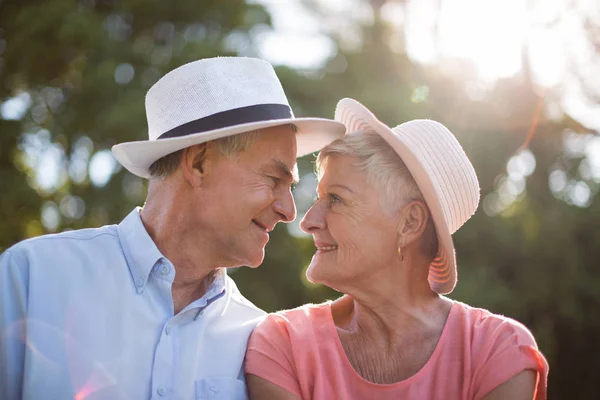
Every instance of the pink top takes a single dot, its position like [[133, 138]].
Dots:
[[300, 350]]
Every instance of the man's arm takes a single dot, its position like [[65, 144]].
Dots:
[[13, 308], [519, 387], [261, 389]]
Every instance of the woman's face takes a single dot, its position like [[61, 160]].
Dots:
[[355, 238]]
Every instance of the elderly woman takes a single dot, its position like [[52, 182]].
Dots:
[[388, 202]]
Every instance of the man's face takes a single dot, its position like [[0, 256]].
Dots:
[[245, 197]]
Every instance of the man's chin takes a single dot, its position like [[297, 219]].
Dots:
[[256, 259], [256, 263]]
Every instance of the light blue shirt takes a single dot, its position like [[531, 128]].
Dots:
[[89, 314]]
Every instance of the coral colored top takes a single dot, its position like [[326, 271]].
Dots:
[[300, 351]]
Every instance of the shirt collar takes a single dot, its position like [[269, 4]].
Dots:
[[217, 286], [215, 291], [138, 247]]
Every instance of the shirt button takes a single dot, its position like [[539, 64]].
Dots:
[[168, 330], [214, 389], [164, 270], [161, 391]]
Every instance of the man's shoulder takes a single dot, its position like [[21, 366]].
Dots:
[[57, 242], [239, 304]]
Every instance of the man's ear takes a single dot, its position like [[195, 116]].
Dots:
[[412, 223], [195, 164]]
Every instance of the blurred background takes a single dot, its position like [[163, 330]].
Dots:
[[517, 81]]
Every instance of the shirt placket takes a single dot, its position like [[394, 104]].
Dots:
[[165, 354], [166, 357], [164, 361]]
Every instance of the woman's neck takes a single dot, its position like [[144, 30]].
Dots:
[[389, 319], [395, 294], [387, 342]]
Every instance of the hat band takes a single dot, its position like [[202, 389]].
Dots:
[[225, 119]]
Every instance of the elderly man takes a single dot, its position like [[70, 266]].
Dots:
[[144, 309]]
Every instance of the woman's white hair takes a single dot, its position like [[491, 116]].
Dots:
[[385, 170]]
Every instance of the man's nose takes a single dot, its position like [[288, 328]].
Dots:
[[286, 207]]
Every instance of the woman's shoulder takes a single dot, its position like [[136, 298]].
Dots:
[[498, 346], [485, 325], [296, 321]]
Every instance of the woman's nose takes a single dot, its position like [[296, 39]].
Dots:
[[314, 218]]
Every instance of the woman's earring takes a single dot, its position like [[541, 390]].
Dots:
[[400, 254]]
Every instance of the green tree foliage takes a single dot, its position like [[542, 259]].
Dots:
[[530, 252], [83, 67]]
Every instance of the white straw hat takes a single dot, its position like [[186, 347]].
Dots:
[[440, 168], [213, 98]]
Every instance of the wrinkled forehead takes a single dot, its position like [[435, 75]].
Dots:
[[341, 169], [333, 165]]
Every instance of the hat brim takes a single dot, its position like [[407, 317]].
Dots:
[[312, 134], [442, 271]]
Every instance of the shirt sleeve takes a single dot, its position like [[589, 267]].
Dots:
[[13, 311], [508, 350], [270, 356]]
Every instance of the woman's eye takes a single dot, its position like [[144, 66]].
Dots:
[[333, 198]]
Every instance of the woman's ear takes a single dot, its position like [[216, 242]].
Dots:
[[195, 164], [413, 221]]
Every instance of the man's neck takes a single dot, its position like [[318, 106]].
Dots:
[[183, 295], [194, 269]]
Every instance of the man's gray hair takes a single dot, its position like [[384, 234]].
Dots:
[[386, 171], [230, 147]]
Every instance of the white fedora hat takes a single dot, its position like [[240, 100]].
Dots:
[[440, 168], [213, 98]]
